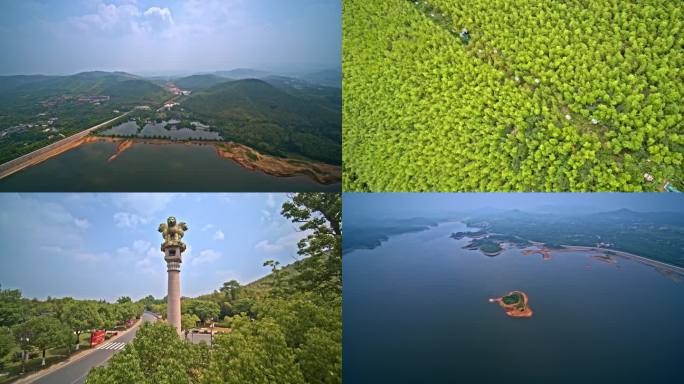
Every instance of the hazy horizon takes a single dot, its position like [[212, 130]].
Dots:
[[169, 37], [359, 206], [182, 73]]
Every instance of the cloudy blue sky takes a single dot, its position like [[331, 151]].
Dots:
[[168, 36], [104, 246]]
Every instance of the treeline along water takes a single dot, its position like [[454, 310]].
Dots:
[[150, 167]]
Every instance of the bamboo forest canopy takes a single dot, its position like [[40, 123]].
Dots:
[[545, 95]]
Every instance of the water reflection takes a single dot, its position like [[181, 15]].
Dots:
[[165, 129]]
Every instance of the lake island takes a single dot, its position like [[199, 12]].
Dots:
[[515, 304]]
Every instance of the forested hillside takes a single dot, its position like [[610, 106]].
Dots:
[[199, 82], [538, 95], [272, 120], [29, 93]]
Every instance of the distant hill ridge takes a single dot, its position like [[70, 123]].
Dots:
[[120, 86], [200, 82]]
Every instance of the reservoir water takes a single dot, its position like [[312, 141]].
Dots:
[[150, 168], [416, 310], [165, 129]]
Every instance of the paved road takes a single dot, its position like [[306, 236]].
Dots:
[[76, 372], [644, 260], [42, 154]]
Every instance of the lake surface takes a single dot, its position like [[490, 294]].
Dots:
[[163, 129], [150, 167], [416, 310]]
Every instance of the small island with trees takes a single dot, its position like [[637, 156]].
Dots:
[[490, 244], [515, 304]]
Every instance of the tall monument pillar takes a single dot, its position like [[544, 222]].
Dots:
[[173, 249]]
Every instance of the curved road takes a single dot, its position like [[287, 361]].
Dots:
[[76, 372]]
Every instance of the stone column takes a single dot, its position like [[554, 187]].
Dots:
[[172, 255]]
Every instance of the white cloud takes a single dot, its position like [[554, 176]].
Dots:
[[29, 214], [142, 204], [266, 215], [139, 208], [109, 17], [141, 246], [267, 246], [129, 220], [124, 253], [162, 13], [206, 256], [148, 258], [147, 265], [207, 227], [81, 223], [288, 241], [219, 235], [92, 257], [52, 249], [270, 200]]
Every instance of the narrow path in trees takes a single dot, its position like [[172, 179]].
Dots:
[[480, 48]]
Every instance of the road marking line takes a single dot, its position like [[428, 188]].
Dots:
[[112, 345]]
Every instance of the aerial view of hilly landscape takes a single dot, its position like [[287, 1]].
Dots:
[[261, 119], [562, 288]]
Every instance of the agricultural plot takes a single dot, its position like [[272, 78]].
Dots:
[[537, 96]]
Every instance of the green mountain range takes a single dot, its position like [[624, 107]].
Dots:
[[25, 93]]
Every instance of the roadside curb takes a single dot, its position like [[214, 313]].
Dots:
[[74, 358]]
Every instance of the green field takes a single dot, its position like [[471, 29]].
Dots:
[[545, 96]]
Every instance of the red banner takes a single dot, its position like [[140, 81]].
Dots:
[[97, 337]]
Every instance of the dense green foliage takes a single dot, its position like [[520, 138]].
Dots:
[[515, 298], [6, 343], [546, 96], [156, 355], [290, 330], [204, 309], [269, 119], [31, 325]]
